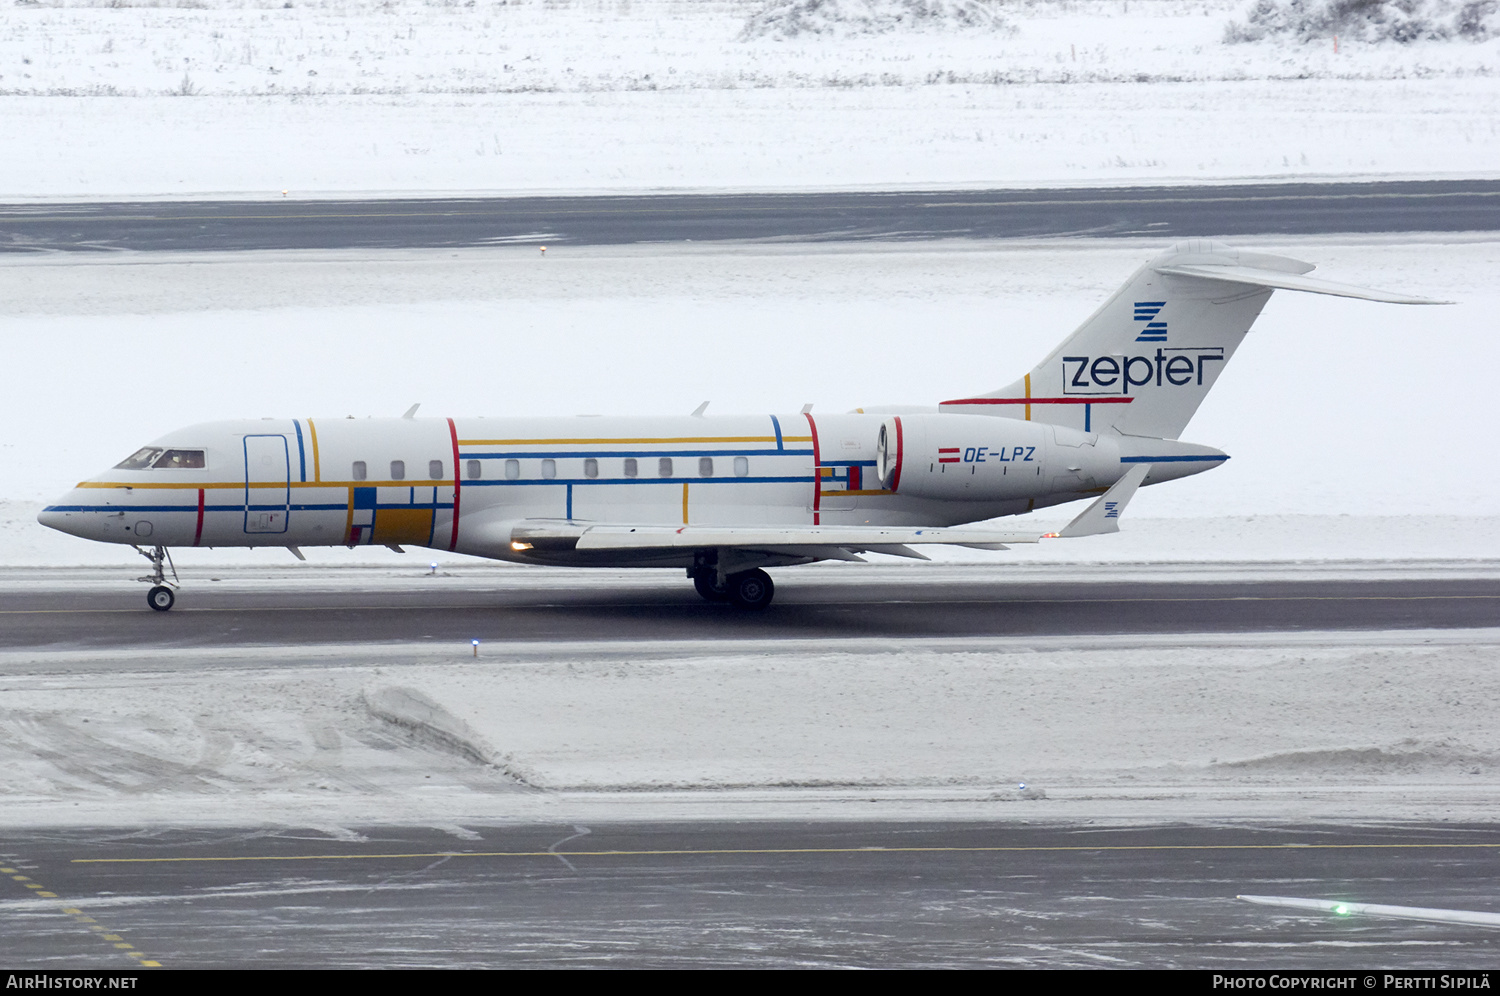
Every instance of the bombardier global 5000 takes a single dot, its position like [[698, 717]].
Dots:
[[722, 497]]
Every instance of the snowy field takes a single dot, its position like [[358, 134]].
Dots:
[[252, 98], [1346, 420], [1374, 726]]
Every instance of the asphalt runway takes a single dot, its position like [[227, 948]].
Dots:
[[1165, 212], [688, 895], [806, 606]]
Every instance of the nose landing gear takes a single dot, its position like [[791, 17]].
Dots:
[[160, 597]]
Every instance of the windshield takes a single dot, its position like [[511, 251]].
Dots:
[[140, 459], [180, 458]]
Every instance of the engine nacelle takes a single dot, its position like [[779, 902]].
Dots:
[[986, 458]]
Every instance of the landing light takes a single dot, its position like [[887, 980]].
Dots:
[[518, 546], [1049, 535]]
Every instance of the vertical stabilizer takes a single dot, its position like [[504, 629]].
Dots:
[[1145, 360]]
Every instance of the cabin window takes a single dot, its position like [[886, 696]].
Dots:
[[591, 467], [630, 470], [741, 466], [434, 470], [664, 467], [705, 466], [140, 459], [398, 470], [359, 473], [549, 469], [512, 469], [180, 459], [473, 470]]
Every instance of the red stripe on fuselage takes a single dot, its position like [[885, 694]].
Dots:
[[817, 471], [1112, 400], [198, 533], [453, 433], [896, 474]]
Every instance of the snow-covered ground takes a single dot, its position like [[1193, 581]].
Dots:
[[1331, 408], [251, 98], [1387, 726]]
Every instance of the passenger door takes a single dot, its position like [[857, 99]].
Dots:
[[268, 475]]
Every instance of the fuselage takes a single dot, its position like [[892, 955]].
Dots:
[[456, 483]]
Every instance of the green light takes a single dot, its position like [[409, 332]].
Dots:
[[1341, 909]]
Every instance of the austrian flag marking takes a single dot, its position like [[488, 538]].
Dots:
[[947, 454]]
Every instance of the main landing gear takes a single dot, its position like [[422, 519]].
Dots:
[[160, 597], [746, 590]]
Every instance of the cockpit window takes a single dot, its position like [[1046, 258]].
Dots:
[[140, 459], [180, 459]]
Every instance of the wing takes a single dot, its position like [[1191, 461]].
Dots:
[[822, 542]]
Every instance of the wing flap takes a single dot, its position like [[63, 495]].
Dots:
[[876, 538], [822, 542]]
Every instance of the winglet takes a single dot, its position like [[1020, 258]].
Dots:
[[1261, 277], [1103, 516]]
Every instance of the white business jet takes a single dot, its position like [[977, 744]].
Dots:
[[723, 497]]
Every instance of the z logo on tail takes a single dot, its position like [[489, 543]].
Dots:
[[1145, 311]]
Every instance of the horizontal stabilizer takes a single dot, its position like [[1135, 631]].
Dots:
[[1103, 516], [1281, 280]]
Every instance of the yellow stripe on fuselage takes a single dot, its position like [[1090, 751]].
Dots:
[[221, 485], [622, 441], [312, 430]]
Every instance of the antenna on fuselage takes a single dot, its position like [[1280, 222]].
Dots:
[[412, 411], [698, 412]]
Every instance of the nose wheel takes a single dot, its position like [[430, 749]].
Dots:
[[160, 597]]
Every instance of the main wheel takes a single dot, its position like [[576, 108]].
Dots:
[[707, 584], [160, 598], [751, 590]]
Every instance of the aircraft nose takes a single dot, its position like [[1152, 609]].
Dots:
[[61, 517]]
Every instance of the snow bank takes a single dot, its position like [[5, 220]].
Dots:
[[1369, 21], [795, 18], [1306, 726], [994, 718]]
